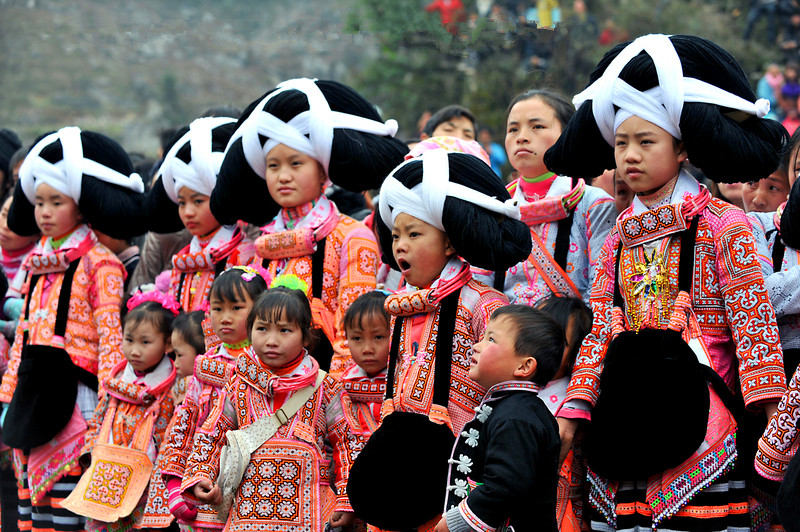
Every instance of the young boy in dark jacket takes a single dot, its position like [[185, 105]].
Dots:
[[504, 466]]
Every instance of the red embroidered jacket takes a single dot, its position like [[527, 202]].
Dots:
[[732, 306]]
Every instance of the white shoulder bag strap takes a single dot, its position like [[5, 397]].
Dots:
[[243, 443]]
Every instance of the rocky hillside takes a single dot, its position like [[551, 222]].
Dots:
[[132, 67]]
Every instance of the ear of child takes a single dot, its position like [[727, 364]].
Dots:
[[527, 369]]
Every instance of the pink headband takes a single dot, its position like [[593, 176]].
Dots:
[[249, 273], [154, 295], [453, 144]]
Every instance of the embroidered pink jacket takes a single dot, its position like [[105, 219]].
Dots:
[[93, 337], [288, 483], [413, 381], [351, 265], [737, 326]]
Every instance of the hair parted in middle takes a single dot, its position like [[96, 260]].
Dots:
[[325, 120]]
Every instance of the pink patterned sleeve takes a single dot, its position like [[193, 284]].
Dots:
[[105, 298], [180, 434], [488, 302], [585, 381], [203, 463], [750, 314], [779, 443], [358, 269]]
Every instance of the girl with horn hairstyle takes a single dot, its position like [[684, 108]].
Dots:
[[681, 313]]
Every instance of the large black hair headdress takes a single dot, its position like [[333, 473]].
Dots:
[[684, 84], [90, 168], [193, 162], [459, 194], [325, 120]]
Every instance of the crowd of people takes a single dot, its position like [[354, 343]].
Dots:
[[328, 328]]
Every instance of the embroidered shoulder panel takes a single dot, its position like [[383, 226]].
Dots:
[[215, 371]]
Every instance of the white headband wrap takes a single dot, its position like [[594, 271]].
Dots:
[[200, 174], [318, 123], [661, 105], [65, 175], [426, 200]]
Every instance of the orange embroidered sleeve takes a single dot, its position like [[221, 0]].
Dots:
[[180, 436], [750, 314], [346, 444], [105, 298], [585, 381], [358, 267], [203, 463]]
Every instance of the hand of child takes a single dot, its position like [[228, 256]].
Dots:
[[342, 519], [207, 492], [566, 429], [177, 504], [441, 526]]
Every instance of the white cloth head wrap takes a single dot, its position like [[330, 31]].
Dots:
[[318, 123], [65, 175], [426, 200], [200, 174], [661, 105]]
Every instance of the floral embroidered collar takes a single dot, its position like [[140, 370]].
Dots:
[[198, 256], [286, 236], [362, 388], [250, 369], [216, 366], [127, 386], [560, 200], [412, 300], [45, 259], [639, 224]]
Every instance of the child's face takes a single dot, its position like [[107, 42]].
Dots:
[[532, 128], [56, 214], [229, 318], [459, 126], [369, 343], [9, 240], [293, 178], [184, 355], [766, 195], [277, 343], [144, 345], [421, 250], [194, 210], [647, 156], [494, 359]]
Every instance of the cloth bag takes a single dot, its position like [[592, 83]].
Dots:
[[115, 481], [408, 449], [47, 380], [652, 411], [242, 443]]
